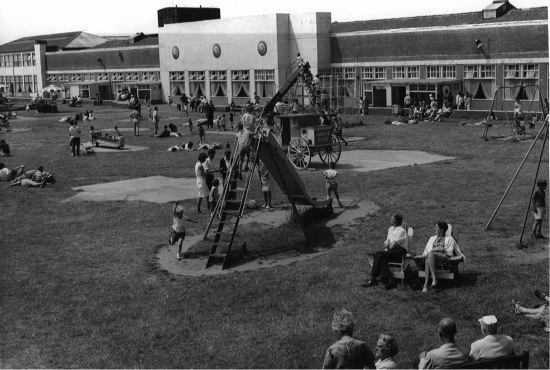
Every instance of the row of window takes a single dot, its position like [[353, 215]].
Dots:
[[437, 72], [17, 60], [236, 75], [19, 84], [104, 76]]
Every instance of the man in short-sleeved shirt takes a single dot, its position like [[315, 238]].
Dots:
[[493, 345]]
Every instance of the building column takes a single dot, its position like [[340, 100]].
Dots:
[[252, 84], [186, 83], [229, 86], [207, 91]]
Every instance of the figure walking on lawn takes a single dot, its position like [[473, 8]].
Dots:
[[178, 228], [156, 119], [202, 134], [539, 208], [332, 183]]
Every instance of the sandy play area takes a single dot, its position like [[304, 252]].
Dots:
[[351, 214], [160, 189]]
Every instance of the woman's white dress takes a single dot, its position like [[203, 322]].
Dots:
[[201, 181]]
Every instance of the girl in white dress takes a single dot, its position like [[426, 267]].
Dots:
[[201, 180]]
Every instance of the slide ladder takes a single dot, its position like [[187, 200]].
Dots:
[[230, 207]]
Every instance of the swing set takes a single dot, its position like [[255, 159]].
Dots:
[[517, 120]]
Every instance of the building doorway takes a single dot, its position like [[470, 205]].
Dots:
[[398, 94], [379, 96]]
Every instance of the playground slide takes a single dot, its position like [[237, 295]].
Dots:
[[284, 173]]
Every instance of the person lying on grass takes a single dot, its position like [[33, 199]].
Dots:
[[539, 312], [178, 228], [347, 352], [34, 178], [438, 253], [185, 146], [395, 246], [9, 175]]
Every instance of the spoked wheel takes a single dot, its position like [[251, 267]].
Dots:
[[331, 153], [299, 153]]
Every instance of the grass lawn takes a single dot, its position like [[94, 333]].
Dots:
[[80, 287]]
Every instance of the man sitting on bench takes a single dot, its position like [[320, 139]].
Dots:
[[493, 345], [395, 246]]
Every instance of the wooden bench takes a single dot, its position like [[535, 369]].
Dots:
[[397, 269], [508, 362]]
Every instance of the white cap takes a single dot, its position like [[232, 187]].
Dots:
[[488, 320]]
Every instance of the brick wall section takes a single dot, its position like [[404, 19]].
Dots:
[[505, 42], [131, 58]]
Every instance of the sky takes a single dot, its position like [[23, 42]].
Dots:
[[20, 18]]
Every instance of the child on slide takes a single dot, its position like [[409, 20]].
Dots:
[[178, 228], [332, 183]]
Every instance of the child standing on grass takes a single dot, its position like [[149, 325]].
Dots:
[[265, 179], [190, 122], [214, 195], [332, 183], [231, 115], [539, 208], [156, 119], [202, 134], [178, 228]]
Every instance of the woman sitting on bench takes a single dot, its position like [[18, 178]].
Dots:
[[438, 252]]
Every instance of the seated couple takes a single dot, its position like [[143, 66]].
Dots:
[[438, 253]]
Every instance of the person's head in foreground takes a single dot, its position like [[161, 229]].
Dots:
[[447, 330], [343, 323], [385, 347], [489, 325]]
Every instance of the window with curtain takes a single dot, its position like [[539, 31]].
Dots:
[[240, 83], [177, 82], [480, 80], [18, 84], [197, 85], [218, 83], [521, 81], [27, 82], [265, 82]]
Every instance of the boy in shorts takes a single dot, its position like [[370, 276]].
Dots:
[[214, 195], [539, 208], [332, 183], [243, 148], [178, 228]]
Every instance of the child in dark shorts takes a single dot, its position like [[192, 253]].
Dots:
[[539, 208], [178, 228]]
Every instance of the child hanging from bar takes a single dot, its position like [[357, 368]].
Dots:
[[178, 228]]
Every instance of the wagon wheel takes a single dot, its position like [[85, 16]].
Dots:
[[331, 153], [299, 153]]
